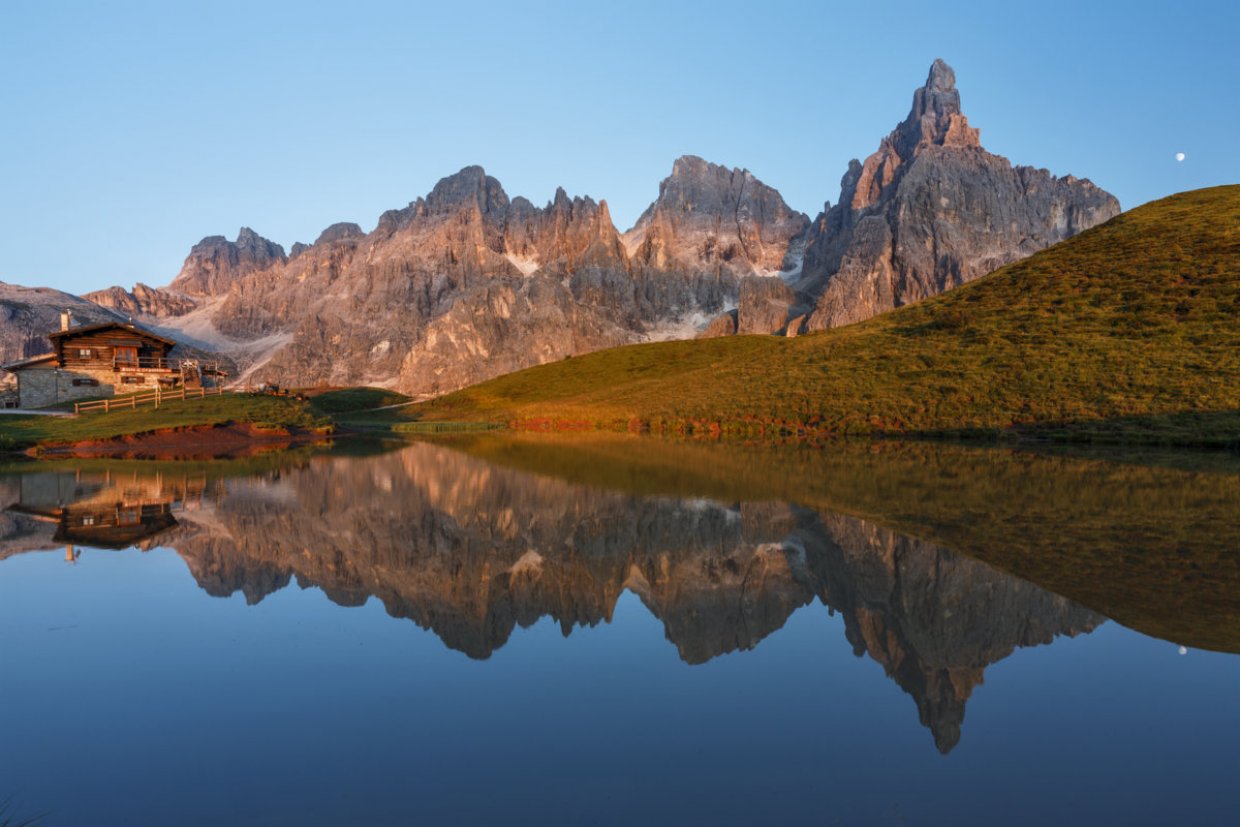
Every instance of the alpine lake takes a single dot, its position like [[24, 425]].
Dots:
[[569, 629]]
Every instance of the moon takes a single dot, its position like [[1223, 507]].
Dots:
[[1179, 156]]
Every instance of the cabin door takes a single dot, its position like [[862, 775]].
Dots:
[[127, 355]]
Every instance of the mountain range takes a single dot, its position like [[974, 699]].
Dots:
[[466, 283]]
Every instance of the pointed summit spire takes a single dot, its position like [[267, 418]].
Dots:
[[936, 117], [941, 77]]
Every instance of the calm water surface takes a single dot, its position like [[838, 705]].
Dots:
[[622, 631]]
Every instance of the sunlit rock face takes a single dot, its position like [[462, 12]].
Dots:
[[142, 300], [931, 210], [472, 551], [215, 263], [466, 284], [709, 228]]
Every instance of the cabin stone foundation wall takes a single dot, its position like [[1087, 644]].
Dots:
[[40, 387]]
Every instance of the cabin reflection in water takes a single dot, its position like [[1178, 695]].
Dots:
[[107, 510]]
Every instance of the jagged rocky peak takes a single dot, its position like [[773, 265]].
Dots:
[[339, 232], [708, 214], [466, 188], [931, 210], [934, 120], [936, 117], [215, 263], [565, 234]]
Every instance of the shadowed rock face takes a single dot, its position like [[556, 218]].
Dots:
[[470, 551], [764, 305], [931, 210]]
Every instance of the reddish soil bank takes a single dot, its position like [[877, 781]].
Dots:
[[197, 442]]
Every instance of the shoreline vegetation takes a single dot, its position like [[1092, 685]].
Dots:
[[240, 424], [1127, 334]]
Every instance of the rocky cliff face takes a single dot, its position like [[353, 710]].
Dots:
[[709, 228], [215, 262], [931, 210], [466, 283], [142, 301]]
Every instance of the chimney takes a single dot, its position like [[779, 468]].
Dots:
[[66, 319]]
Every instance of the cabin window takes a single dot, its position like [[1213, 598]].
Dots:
[[88, 383], [88, 519], [128, 355], [85, 353], [133, 380]]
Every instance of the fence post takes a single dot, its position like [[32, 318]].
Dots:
[[77, 407], [105, 406], [157, 397]]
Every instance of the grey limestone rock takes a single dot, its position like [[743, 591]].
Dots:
[[931, 210]]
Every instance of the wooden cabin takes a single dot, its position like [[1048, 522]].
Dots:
[[92, 361]]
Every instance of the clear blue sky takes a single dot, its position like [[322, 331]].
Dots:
[[130, 130]]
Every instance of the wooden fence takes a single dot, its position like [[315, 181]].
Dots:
[[157, 396]]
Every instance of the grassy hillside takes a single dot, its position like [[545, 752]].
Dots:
[[323, 408], [1131, 329]]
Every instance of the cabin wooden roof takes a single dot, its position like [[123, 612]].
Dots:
[[28, 362], [97, 328]]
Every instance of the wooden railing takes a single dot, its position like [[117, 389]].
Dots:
[[157, 396], [141, 363], [160, 363], [145, 363]]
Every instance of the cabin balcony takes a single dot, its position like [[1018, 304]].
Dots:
[[147, 364], [142, 364]]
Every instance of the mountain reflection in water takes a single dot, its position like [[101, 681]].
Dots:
[[470, 549]]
